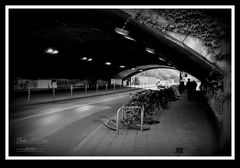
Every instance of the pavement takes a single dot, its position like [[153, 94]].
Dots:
[[184, 125]]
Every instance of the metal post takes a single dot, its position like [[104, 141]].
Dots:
[[97, 87], [53, 93], [118, 120], [86, 89], [29, 95], [106, 87], [114, 87], [71, 90]]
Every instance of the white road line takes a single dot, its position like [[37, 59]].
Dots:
[[55, 111]]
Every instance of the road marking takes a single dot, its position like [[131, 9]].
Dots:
[[56, 111]]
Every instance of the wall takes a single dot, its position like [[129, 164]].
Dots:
[[219, 99]]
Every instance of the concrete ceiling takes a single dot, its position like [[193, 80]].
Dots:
[[78, 33]]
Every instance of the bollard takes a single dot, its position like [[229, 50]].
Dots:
[[96, 87], [114, 87], [106, 87], [29, 95]]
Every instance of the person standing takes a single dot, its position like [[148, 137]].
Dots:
[[189, 89], [181, 87], [194, 87]]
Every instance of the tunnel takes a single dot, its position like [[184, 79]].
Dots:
[[106, 44]]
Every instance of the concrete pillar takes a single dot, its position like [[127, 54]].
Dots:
[[225, 134]]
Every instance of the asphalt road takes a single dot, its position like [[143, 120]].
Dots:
[[55, 129]]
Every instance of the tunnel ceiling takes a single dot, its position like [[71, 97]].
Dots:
[[79, 33]]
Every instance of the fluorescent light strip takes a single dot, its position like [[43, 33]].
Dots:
[[150, 50], [161, 59], [130, 38], [121, 31]]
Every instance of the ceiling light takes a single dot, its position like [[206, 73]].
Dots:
[[121, 31], [161, 59], [122, 66], [130, 38], [49, 50], [150, 50], [55, 52], [89, 59], [133, 68], [108, 63], [84, 58]]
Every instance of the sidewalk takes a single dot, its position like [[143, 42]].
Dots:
[[38, 97], [184, 124]]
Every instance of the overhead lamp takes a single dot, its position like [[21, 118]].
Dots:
[[150, 50], [133, 69], [140, 70], [121, 31], [108, 63], [49, 50], [161, 59], [129, 38], [122, 66], [84, 58], [89, 59], [55, 52]]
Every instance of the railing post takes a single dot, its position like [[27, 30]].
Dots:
[[85, 88], [71, 90], [29, 95], [53, 93]]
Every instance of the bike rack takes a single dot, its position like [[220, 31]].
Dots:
[[123, 109]]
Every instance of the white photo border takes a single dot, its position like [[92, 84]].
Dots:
[[8, 7]]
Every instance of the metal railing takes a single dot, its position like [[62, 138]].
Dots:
[[124, 109]]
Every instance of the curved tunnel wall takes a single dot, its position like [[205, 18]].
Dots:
[[187, 60], [129, 72]]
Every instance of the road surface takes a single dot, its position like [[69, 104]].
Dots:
[[55, 129]]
